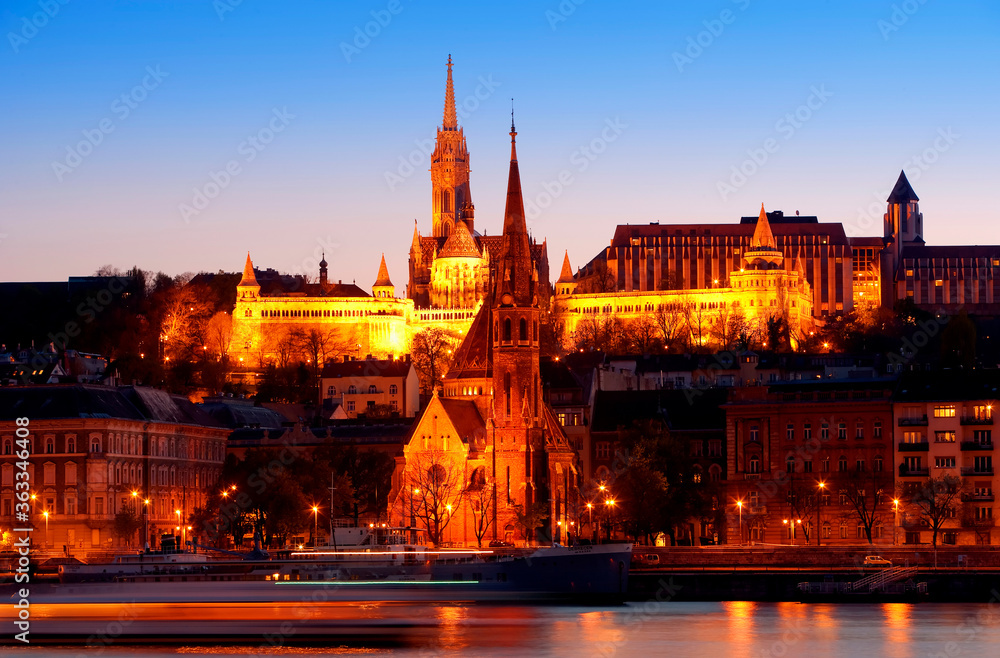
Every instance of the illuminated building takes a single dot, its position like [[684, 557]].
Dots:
[[759, 285], [488, 446]]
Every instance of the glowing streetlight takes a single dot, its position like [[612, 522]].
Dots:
[[315, 511], [739, 507], [819, 503], [895, 519]]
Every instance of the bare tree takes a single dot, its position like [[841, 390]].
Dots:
[[642, 334], [479, 493], [669, 319], [697, 321], [728, 323], [803, 502], [934, 501], [599, 279], [432, 352], [865, 493], [436, 483], [219, 334]]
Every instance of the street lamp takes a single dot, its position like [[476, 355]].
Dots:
[[46, 515], [145, 523], [739, 506], [590, 515], [819, 503], [177, 512], [895, 518], [413, 517], [609, 505], [315, 511]]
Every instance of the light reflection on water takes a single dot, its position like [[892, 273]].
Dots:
[[738, 629]]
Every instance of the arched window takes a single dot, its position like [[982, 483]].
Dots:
[[506, 388], [437, 475], [352, 389], [522, 329], [372, 388], [478, 479], [249, 313], [506, 330], [754, 466]]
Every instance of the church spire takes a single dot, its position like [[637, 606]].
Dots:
[[762, 235], [248, 288], [513, 217], [450, 116], [249, 279], [516, 284], [566, 275], [383, 285]]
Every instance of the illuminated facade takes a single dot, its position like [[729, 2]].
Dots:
[[489, 447], [759, 287]]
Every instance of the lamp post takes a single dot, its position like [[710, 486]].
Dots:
[[413, 517], [177, 512], [558, 531], [895, 518], [315, 511], [609, 504], [819, 503], [739, 506], [590, 514], [145, 524], [46, 515]]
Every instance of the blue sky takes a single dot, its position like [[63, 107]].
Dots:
[[626, 112]]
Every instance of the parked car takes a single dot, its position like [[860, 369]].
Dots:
[[496, 543], [877, 561], [647, 558]]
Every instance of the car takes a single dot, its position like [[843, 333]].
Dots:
[[877, 561], [496, 543], [647, 558]]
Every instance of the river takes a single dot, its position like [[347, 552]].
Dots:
[[718, 630]]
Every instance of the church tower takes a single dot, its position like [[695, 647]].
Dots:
[[516, 317], [902, 226], [450, 196], [383, 285], [248, 289]]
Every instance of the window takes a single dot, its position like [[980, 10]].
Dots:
[[877, 429], [983, 464], [843, 499], [99, 505], [983, 437], [506, 330], [843, 531], [842, 431], [95, 445], [824, 432], [715, 448], [754, 498], [352, 389], [944, 411], [392, 389], [603, 450], [807, 432], [372, 388], [982, 412], [50, 445], [842, 464], [913, 437], [984, 513], [350, 405], [754, 433], [944, 462], [807, 466], [944, 437], [912, 464], [859, 465], [331, 391], [859, 430], [522, 329], [754, 465], [790, 432], [877, 464], [825, 465], [790, 465], [8, 446], [70, 505]]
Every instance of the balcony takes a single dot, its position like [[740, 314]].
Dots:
[[912, 472], [972, 522], [751, 476], [914, 421], [923, 446], [978, 498], [973, 470], [976, 445], [972, 420], [759, 509]]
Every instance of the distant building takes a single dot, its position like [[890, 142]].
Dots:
[[98, 450], [795, 449], [371, 386], [944, 426]]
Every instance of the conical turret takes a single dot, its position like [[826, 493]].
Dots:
[[248, 288], [383, 285], [763, 252]]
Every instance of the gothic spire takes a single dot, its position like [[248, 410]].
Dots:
[[516, 268], [762, 235], [450, 116], [249, 279], [383, 275], [566, 275], [513, 217]]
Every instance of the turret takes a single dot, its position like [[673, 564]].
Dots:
[[323, 279], [763, 253], [248, 289], [383, 285], [566, 284]]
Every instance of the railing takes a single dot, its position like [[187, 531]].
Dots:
[[913, 421], [972, 522], [760, 509], [972, 420], [977, 470], [922, 446], [912, 472], [976, 445], [880, 579], [751, 476], [975, 498]]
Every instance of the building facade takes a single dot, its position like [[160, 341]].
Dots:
[[96, 451], [363, 387]]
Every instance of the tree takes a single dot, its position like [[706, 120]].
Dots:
[[126, 523], [934, 501], [219, 335], [479, 493], [800, 494], [865, 491], [669, 319], [697, 321], [437, 487], [642, 334], [530, 517], [597, 279], [432, 352], [639, 490], [728, 324]]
